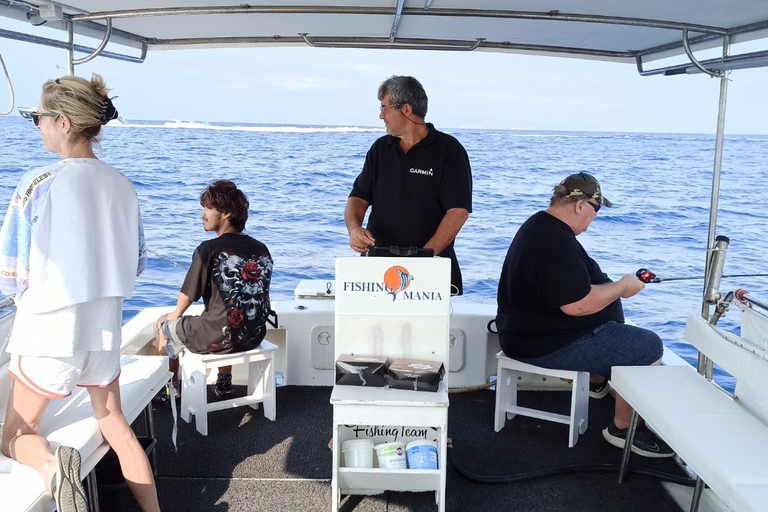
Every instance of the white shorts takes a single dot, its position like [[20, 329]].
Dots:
[[89, 326], [56, 377]]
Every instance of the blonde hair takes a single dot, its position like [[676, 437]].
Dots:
[[560, 196], [81, 101]]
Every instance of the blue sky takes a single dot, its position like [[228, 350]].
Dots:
[[338, 87]]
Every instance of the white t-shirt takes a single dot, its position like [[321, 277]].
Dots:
[[85, 245]]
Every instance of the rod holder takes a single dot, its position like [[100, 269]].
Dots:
[[716, 263]]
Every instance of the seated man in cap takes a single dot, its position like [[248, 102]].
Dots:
[[557, 309]]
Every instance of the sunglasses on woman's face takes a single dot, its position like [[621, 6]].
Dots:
[[35, 116]]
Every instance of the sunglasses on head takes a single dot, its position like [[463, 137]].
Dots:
[[35, 116]]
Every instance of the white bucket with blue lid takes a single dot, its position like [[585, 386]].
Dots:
[[421, 454]]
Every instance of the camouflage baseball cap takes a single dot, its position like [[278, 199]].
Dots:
[[584, 186]]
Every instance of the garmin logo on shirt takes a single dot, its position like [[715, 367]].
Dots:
[[422, 171]]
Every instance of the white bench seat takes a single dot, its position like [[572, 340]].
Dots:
[[70, 422], [720, 440], [749, 497], [724, 440]]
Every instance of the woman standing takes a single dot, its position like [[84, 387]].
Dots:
[[71, 246]]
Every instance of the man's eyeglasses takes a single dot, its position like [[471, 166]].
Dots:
[[594, 206], [384, 108], [35, 116]]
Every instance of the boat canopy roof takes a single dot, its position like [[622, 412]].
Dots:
[[630, 32]]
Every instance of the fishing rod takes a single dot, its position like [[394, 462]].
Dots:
[[167, 259], [647, 276]]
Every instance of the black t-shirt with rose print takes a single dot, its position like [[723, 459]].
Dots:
[[232, 274]]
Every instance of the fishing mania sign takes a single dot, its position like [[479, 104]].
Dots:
[[394, 282]]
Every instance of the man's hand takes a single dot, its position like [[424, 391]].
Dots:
[[601, 295], [160, 322], [184, 303], [631, 285], [159, 336], [169, 316], [360, 239], [449, 227]]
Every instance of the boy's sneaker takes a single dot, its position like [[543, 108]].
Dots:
[[646, 443], [164, 396], [223, 387], [598, 390]]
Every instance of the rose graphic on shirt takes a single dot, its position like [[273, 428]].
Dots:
[[251, 271], [236, 319]]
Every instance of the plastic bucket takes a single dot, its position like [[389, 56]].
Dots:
[[422, 454], [358, 453], [391, 455]]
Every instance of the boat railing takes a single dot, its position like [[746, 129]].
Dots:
[[10, 87], [754, 324], [6, 322]]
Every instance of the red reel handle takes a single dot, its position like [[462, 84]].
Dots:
[[645, 275]]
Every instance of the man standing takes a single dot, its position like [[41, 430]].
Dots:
[[416, 180], [557, 309], [232, 274]]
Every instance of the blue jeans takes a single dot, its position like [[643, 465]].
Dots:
[[611, 344]]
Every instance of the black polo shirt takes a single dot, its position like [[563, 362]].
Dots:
[[546, 268], [410, 193]]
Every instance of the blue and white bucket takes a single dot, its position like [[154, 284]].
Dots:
[[421, 454]]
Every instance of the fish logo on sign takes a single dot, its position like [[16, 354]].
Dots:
[[397, 279]]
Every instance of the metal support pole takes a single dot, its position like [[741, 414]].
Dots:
[[704, 365], [93, 491], [628, 445], [149, 424], [70, 49], [100, 48], [697, 490]]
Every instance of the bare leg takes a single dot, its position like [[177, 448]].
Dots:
[[225, 369], [133, 461], [21, 440], [162, 341], [623, 411], [173, 366], [596, 379]]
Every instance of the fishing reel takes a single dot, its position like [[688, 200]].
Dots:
[[647, 276]]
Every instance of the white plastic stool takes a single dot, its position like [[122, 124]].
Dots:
[[261, 383], [506, 396]]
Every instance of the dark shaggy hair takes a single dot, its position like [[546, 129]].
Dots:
[[225, 197]]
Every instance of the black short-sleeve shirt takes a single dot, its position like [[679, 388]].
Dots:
[[411, 192], [232, 274], [546, 268]]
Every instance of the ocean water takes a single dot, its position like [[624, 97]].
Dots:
[[298, 177]]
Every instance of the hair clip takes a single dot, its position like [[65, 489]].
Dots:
[[108, 111]]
